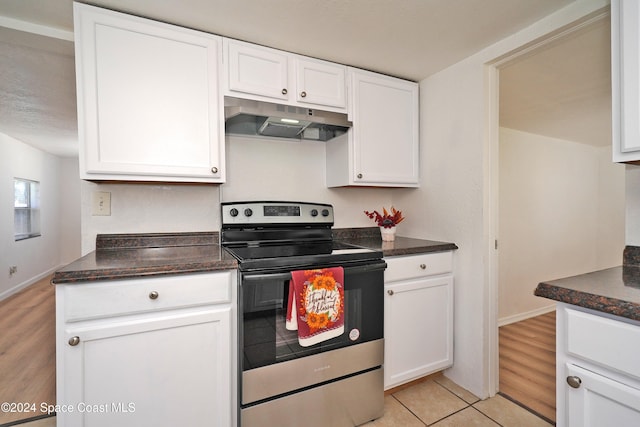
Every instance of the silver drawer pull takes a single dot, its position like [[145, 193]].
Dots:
[[390, 292], [423, 266], [574, 381], [154, 295], [214, 170], [73, 341]]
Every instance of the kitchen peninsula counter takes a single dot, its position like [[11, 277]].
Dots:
[[126, 256], [614, 291]]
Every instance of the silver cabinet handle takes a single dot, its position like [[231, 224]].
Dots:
[[214, 169], [73, 341], [359, 176], [390, 292], [154, 295], [285, 91], [303, 94], [423, 266], [574, 381]]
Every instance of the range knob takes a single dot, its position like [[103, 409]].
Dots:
[[233, 212], [248, 212], [314, 212], [325, 212]]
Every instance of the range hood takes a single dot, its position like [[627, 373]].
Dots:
[[255, 118]]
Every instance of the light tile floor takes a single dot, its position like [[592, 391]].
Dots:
[[435, 402], [440, 402]]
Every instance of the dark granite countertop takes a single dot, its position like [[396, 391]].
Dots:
[[369, 237], [141, 255], [614, 290], [122, 256]]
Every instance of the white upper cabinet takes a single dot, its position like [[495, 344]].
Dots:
[[265, 74], [149, 106], [320, 83], [256, 70], [382, 147], [625, 78]]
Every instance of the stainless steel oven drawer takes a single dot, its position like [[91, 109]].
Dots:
[[279, 378], [345, 403]]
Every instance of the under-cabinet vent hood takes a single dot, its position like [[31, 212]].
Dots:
[[254, 118]]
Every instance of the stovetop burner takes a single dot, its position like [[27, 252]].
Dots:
[[295, 235], [300, 255]]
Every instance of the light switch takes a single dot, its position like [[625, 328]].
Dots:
[[101, 203]]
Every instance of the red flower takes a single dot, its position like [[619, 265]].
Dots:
[[386, 220]]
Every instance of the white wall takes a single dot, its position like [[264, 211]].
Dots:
[[632, 224], [454, 201], [561, 213], [60, 226], [258, 169]]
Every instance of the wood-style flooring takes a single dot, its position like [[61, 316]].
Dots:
[[528, 363], [27, 349]]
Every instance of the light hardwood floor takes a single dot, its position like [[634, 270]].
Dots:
[[528, 363], [27, 349]]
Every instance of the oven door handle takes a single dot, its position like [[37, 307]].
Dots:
[[378, 265]]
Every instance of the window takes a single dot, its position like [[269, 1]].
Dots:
[[26, 208]]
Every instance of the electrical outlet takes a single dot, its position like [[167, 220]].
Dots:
[[13, 270], [101, 203]]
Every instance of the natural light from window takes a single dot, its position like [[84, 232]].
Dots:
[[26, 208]]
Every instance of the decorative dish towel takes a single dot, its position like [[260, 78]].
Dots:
[[316, 305]]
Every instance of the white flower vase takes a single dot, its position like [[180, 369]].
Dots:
[[388, 234]]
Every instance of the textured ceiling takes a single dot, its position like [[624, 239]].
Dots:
[[409, 38], [564, 90]]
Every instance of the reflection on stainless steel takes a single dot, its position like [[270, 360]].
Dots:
[[276, 379], [348, 402]]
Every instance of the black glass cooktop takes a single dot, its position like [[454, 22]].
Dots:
[[292, 255]]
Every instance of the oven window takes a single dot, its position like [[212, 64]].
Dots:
[[264, 304]]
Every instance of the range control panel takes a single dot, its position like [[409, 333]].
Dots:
[[273, 213]]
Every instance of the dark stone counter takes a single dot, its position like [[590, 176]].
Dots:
[[615, 291], [369, 237], [125, 256]]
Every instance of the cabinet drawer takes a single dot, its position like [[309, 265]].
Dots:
[[606, 342], [408, 267], [92, 300]]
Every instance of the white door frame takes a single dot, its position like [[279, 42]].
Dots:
[[491, 163]]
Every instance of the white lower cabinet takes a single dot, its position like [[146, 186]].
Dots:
[[600, 401], [598, 375], [418, 316], [165, 366]]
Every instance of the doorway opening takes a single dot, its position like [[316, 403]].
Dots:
[[557, 198]]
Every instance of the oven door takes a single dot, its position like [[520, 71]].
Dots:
[[272, 360]]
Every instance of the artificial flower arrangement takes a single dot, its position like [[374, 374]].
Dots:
[[387, 219]]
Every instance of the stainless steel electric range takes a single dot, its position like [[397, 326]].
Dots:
[[284, 380]]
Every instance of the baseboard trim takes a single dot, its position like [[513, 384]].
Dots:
[[526, 315], [20, 286]]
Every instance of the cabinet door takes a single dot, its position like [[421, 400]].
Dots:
[[321, 83], [418, 328], [256, 70], [625, 76], [600, 401], [163, 370], [148, 100], [385, 129]]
